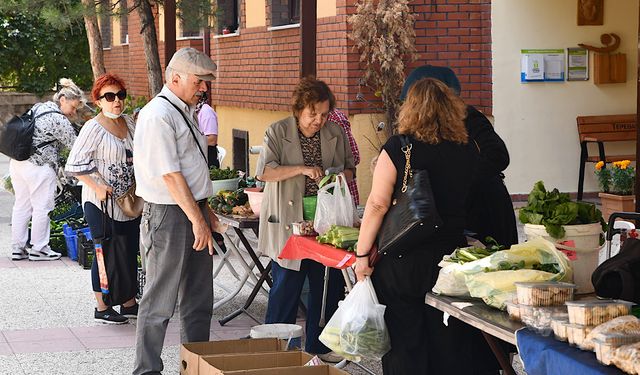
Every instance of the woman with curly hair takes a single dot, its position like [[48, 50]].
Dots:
[[432, 118]]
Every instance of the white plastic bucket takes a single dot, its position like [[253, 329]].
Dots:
[[583, 257], [290, 332], [228, 184]]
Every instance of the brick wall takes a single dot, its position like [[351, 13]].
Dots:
[[258, 68], [457, 33]]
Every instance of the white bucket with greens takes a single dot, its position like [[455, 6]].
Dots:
[[581, 244]]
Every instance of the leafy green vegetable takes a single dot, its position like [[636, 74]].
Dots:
[[554, 209], [222, 174]]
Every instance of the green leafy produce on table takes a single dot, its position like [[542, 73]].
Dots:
[[226, 200], [468, 254], [222, 174], [554, 209], [341, 237]]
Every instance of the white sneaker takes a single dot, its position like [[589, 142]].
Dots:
[[44, 254], [19, 253]]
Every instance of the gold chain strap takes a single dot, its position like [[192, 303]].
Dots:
[[407, 166]]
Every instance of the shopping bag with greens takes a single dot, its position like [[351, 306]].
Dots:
[[357, 329], [492, 278], [335, 206]]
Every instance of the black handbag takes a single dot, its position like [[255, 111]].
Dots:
[[117, 283], [619, 276], [413, 216]]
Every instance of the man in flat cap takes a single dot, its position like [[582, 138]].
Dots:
[[173, 179]]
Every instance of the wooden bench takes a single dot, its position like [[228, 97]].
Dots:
[[599, 130]]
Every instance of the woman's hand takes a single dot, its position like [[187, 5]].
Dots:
[[362, 268], [313, 173], [103, 191]]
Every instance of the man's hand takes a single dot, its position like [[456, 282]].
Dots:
[[202, 236]]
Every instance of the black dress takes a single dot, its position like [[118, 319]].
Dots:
[[420, 342], [490, 210]]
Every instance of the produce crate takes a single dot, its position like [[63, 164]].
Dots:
[[142, 279], [85, 251], [74, 211], [71, 239]]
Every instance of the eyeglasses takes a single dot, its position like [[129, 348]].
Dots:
[[110, 96]]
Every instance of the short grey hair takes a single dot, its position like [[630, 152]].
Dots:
[[169, 72], [69, 90]]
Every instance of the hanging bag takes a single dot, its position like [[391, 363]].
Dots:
[[413, 216], [335, 206], [130, 204], [357, 328], [117, 284], [619, 276]]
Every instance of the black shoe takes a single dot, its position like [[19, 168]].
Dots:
[[109, 316], [129, 312]]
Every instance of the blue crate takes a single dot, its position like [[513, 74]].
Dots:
[[71, 236]]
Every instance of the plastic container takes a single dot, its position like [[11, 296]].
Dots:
[[255, 199], [577, 334], [303, 228], [559, 327], [544, 293], [538, 318], [309, 207], [228, 184], [583, 257], [290, 332], [594, 312], [627, 358], [71, 238], [605, 343], [513, 310]]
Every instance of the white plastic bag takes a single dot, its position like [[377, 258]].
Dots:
[[357, 329], [335, 206]]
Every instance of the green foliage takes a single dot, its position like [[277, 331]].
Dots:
[[222, 174], [554, 209], [37, 48]]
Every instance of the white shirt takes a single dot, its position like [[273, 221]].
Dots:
[[97, 150], [163, 145]]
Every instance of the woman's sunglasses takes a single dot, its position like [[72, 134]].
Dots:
[[110, 96]]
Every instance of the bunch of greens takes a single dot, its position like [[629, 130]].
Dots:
[[554, 209], [222, 174], [463, 255], [509, 266]]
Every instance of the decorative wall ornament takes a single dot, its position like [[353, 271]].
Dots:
[[590, 12]]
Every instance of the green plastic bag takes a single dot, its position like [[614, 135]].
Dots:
[[309, 207]]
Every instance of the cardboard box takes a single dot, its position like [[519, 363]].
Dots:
[[225, 363], [190, 352], [308, 370]]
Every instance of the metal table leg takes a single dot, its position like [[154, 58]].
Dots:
[[501, 356], [264, 276]]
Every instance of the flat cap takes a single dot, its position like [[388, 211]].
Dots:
[[191, 61]]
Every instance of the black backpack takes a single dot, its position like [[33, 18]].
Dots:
[[16, 136], [619, 277]]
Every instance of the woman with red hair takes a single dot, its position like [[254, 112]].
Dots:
[[102, 158]]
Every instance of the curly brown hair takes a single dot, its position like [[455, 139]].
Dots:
[[308, 92], [433, 113]]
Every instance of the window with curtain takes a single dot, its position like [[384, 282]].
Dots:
[[105, 23], [285, 12], [124, 22], [228, 15]]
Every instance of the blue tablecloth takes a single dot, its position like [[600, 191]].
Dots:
[[547, 356]]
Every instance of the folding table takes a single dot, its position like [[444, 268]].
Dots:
[[239, 224]]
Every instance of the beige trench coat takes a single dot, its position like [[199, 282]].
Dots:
[[282, 202]]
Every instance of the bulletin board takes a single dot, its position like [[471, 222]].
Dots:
[[542, 65]]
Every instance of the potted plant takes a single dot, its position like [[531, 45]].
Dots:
[[223, 179], [617, 185]]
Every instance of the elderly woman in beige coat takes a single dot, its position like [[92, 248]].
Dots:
[[295, 154]]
